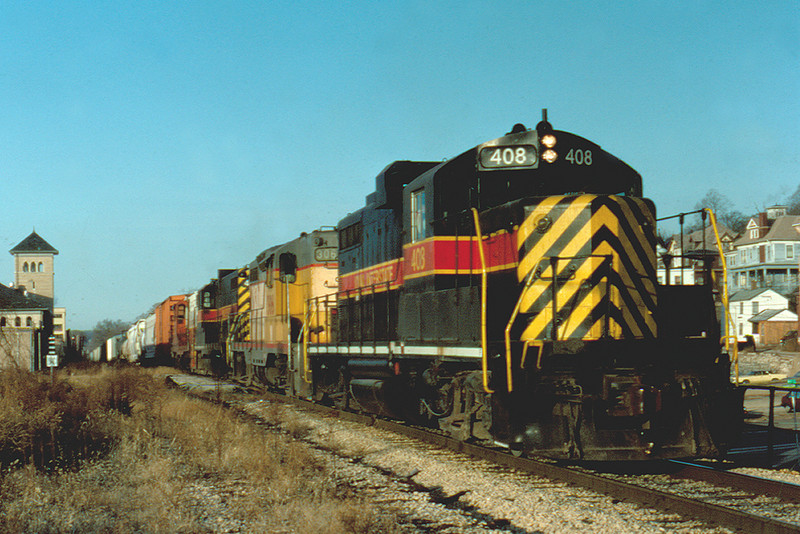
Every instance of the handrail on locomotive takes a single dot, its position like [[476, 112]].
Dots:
[[728, 325]]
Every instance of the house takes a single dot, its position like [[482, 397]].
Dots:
[[23, 319], [772, 325], [766, 255], [681, 262], [26, 309], [748, 304]]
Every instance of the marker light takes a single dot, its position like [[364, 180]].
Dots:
[[549, 156], [549, 140]]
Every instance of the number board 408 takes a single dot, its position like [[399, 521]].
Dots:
[[578, 156], [505, 157]]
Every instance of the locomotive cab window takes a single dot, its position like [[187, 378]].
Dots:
[[288, 267], [417, 215], [350, 236]]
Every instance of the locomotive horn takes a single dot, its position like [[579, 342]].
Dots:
[[544, 127]]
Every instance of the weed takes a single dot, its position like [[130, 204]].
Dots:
[[124, 453]]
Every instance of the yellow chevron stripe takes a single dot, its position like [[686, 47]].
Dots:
[[529, 224], [535, 255], [605, 248], [635, 223], [581, 313], [567, 288], [553, 233], [603, 218], [576, 246], [537, 328], [243, 305], [639, 236]]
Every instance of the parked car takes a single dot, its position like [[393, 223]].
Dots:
[[762, 377], [790, 400]]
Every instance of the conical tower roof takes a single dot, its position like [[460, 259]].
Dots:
[[33, 243]]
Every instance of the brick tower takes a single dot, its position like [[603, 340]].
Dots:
[[34, 262]]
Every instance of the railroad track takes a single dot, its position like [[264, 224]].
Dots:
[[783, 491], [713, 496]]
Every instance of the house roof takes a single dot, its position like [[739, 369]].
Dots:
[[781, 230], [747, 294], [33, 243], [694, 240], [766, 315], [14, 299]]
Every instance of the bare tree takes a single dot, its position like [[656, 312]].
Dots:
[[716, 201], [793, 202], [722, 208], [104, 330]]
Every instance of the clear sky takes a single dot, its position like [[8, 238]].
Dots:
[[152, 143]]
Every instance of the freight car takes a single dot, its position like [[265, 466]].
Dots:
[[161, 337], [133, 346]]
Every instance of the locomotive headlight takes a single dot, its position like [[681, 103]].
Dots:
[[549, 155], [549, 140]]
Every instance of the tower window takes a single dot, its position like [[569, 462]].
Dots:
[[17, 322], [28, 322], [25, 267], [41, 267]]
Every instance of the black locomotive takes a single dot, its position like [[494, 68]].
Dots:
[[510, 294], [507, 294]]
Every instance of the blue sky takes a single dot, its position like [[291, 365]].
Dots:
[[154, 142]]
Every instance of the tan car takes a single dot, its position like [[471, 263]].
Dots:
[[760, 378]]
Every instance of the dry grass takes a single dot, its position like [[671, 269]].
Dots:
[[116, 451]]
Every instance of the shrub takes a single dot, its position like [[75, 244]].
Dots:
[[155, 460]]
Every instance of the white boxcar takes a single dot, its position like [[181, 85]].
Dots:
[[133, 346], [150, 337]]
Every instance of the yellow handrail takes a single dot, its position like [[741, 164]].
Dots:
[[724, 296], [305, 342], [484, 344], [513, 318], [539, 344]]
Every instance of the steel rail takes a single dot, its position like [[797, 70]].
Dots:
[[784, 491]]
